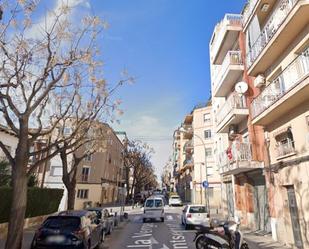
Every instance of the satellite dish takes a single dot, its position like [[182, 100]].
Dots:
[[241, 87]]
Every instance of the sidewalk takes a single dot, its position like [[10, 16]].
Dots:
[[258, 240]]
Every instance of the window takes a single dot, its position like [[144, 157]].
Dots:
[[85, 174], [207, 117], [88, 158], [56, 171], [208, 152], [285, 143], [207, 134], [109, 159], [82, 193]]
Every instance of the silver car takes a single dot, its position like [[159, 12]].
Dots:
[[194, 215]]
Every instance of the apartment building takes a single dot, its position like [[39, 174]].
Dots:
[[182, 164], [238, 144], [277, 59], [204, 160], [193, 158], [100, 177]]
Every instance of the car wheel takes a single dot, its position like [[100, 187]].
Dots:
[[182, 223], [144, 220], [186, 226], [162, 219]]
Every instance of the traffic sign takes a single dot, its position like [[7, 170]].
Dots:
[[205, 184]]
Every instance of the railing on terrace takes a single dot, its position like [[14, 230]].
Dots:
[[288, 78], [285, 148], [238, 152], [248, 10], [280, 13], [235, 101], [188, 145], [231, 58], [229, 19]]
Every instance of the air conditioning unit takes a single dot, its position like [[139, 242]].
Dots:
[[259, 81]]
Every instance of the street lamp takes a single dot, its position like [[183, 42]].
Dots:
[[183, 130]]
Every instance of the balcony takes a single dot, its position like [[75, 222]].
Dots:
[[288, 90], [285, 149], [232, 112], [231, 69], [288, 19], [224, 37], [188, 147], [237, 159]]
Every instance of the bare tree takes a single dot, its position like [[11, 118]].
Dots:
[[50, 73], [137, 157]]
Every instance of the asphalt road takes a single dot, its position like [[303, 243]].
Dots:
[[152, 235]]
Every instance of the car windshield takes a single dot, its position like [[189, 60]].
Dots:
[[197, 209], [71, 223], [175, 197]]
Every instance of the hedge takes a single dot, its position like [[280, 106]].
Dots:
[[41, 201]]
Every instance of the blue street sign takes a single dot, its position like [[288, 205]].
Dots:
[[205, 184]]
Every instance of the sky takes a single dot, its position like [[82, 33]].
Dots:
[[164, 45]]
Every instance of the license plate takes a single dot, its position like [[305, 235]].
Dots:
[[56, 239]]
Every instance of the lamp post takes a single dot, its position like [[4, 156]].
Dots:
[[206, 171]]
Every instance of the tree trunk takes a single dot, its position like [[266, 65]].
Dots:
[[71, 196], [19, 195]]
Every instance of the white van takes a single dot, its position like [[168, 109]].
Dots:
[[154, 209]]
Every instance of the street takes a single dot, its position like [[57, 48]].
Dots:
[[135, 234]]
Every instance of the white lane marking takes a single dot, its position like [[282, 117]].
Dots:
[[169, 217]]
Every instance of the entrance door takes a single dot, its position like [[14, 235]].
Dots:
[[230, 199], [261, 211], [294, 217]]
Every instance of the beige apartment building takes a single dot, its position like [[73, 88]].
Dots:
[[277, 58], [100, 176], [193, 157], [9, 139]]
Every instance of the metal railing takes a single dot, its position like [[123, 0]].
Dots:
[[285, 148], [187, 161], [231, 58], [280, 13], [234, 101], [229, 19], [238, 152], [248, 10], [288, 78]]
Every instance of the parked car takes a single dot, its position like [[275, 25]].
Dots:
[[194, 215], [154, 209], [69, 229], [175, 200], [105, 224]]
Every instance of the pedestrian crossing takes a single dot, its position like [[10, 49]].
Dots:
[[168, 217]]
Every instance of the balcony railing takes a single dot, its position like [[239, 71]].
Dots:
[[229, 19], [248, 10], [285, 148], [289, 78], [188, 161], [238, 152], [235, 101], [231, 58], [84, 177], [280, 13]]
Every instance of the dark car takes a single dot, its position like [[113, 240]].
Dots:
[[69, 229]]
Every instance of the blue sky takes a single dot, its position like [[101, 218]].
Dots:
[[164, 44]]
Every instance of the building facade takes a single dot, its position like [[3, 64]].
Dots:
[[261, 138], [277, 58]]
